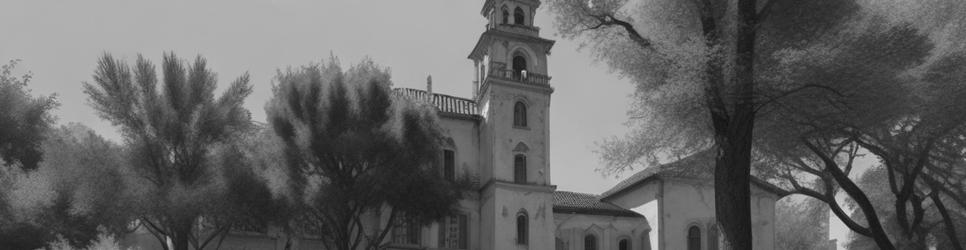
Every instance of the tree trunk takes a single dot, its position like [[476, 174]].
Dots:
[[180, 234], [947, 221], [732, 174]]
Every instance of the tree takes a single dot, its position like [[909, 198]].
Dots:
[[801, 224], [83, 176], [24, 119], [703, 71], [354, 150], [933, 223], [170, 132], [904, 110]]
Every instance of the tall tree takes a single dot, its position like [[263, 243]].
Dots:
[[703, 69], [354, 150], [170, 131], [24, 119]]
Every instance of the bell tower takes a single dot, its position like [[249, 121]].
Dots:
[[512, 90]]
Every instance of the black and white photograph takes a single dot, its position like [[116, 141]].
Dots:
[[483, 124]]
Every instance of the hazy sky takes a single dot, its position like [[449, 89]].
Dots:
[[60, 42]]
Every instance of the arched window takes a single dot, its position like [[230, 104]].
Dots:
[[506, 15], [520, 169], [694, 238], [522, 228], [519, 114], [590, 242], [519, 17], [624, 244], [519, 66]]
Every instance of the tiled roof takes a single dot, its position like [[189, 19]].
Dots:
[[572, 202], [696, 166], [445, 104]]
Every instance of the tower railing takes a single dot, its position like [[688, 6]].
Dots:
[[500, 71]]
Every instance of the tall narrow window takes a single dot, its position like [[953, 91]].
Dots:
[[449, 164], [590, 242], [523, 228], [520, 169], [453, 233], [519, 67], [506, 15], [519, 114], [624, 244], [519, 17], [694, 238], [406, 231]]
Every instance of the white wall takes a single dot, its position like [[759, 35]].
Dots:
[[686, 202], [572, 228]]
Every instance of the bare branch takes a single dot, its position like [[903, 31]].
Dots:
[[606, 20]]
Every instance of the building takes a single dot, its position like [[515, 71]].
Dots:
[[499, 136]]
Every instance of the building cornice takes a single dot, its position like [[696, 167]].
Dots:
[[492, 184]]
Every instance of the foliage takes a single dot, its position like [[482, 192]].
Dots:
[[703, 71], [353, 149], [24, 119], [883, 200], [171, 132], [71, 196], [801, 224]]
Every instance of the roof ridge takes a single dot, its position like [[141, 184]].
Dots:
[[440, 94]]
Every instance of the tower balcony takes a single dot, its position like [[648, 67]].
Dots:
[[516, 28], [500, 71]]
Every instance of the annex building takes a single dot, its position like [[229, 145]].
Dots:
[[499, 135]]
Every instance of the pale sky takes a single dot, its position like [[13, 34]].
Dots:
[[60, 42]]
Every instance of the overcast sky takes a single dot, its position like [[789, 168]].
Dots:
[[60, 41]]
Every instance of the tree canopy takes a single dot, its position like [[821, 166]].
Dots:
[[172, 129], [753, 77], [354, 148], [24, 120]]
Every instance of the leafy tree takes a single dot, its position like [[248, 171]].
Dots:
[[24, 119], [353, 149], [801, 224], [910, 121], [933, 225], [703, 71], [170, 132], [78, 205]]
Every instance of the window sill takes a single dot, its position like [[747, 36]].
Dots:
[[521, 127]]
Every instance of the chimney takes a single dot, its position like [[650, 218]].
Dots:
[[429, 87]]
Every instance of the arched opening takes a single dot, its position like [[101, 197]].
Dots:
[[520, 169], [519, 66], [522, 228], [505, 15], [694, 238], [624, 244], [519, 114], [519, 17], [590, 242]]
